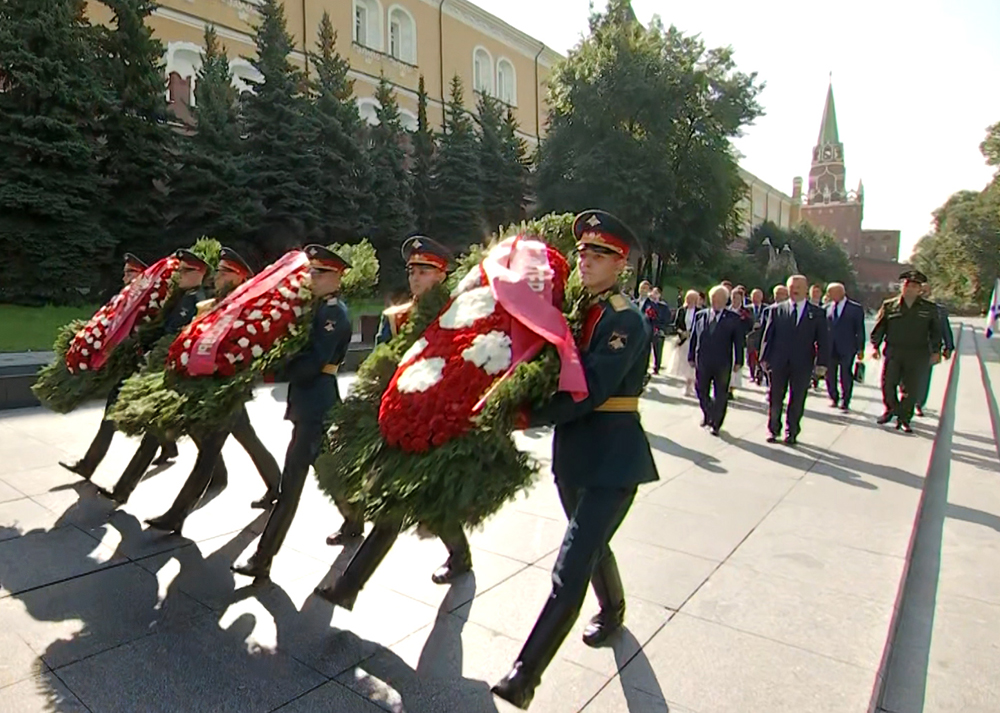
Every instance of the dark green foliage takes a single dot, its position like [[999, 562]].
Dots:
[[502, 163], [641, 123], [51, 188], [457, 201], [208, 192], [422, 164], [345, 200], [279, 160], [139, 139], [392, 189], [817, 256]]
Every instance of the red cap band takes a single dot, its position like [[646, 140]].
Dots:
[[604, 240], [429, 259]]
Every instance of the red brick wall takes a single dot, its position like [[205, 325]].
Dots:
[[841, 219]]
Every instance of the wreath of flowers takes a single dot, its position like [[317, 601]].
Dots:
[[443, 466]]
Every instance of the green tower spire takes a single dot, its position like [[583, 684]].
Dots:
[[828, 129]]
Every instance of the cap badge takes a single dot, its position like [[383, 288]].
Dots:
[[594, 221]]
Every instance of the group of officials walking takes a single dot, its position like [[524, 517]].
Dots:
[[805, 336]]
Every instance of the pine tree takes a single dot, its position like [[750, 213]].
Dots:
[[492, 160], [514, 185], [422, 163], [457, 202], [280, 162], [51, 189], [346, 204], [392, 188], [208, 192], [140, 141]]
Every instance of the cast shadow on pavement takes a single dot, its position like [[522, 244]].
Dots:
[[672, 448]]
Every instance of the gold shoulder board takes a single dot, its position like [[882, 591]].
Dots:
[[203, 307], [618, 302], [397, 309]]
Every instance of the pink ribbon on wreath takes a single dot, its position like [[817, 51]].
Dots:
[[223, 315], [520, 278], [136, 294]]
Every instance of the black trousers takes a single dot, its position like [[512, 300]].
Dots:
[[585, 557], [840, 373], [656, 345], [143, 458], [911, 370], [105, 433], [303, 449], [713, 407], [794, 383], [920, 399]]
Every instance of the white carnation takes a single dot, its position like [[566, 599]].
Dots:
[[286, 293], [84, 352], [256, 350], [469, 307], [255, 315], [275, 314], [154, 303], [97, 344], [239, 357], [284, 306], [184, 358], [251, 329], [420, 375], [243, 342], [83, 367], [238, 323], [266, 325], [88, 339], [105, 322], [490, 351], [471, 280], [414, 351], [187, 343], [230, 358], [297, 310]]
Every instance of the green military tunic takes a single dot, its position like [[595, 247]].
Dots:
[[911, 334]]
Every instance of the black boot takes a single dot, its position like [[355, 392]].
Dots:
[[553, 625], [266, 502], [134, 471], [349, 531], [362, 566], [459, 559], [168, 451], [81, 468], [885, 418], [611, 597], [86, 466], [167, 522]]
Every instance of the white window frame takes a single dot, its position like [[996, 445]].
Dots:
[[242, 70], [374, 39], [505, 64], [363, 107], [186, 54], [408, 44], [488, 72], [408, 119]]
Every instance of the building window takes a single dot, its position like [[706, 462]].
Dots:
[[368, 24], [245, 75], [182, 63], [368, 111], [402, 35], [506, 82], [408, 120], [482, 71]]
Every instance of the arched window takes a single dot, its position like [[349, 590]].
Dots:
[[408, 120], [506, 82], [368, 109], [245, 75], [368, 23], [402, 35], [182, 64], [482, 71]]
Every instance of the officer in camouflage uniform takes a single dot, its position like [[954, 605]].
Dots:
[[209, 475], [86, 466], [312, 392], [600, 455], [190, 274], [427, 263], [911, 330]]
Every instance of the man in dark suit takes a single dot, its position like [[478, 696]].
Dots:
[[715, 350], [794, 344], [658, 314], [846, 323], [600, 455]]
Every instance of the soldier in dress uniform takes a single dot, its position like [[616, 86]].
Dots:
[[600, 454], [312, 392], [190, 274], [209, 473], [86, 466], [911, 330], [427, 263]]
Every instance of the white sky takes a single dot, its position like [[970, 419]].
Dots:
[[916, 83]]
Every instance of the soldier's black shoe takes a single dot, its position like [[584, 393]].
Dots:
[[341, 594], [791, 440], [168, 452], [772, 438], [904, 427], [348, 531], [517, 687], [79, 468], [115, 497], [451, 570], [833, 403], [266, 502], [253, 568], [845, 407], [885, 418], [166, 523], [602, 627], [918, 410], [715, 430]]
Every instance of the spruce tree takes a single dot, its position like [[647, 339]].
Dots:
[[457, 202], [514, 185], [51, 189], [279, 159], [422, 163], [492, 159], [140, 141], [392, 188], [346, 203], [208, 192]]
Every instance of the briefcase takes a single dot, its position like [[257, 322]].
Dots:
[[859, 372]]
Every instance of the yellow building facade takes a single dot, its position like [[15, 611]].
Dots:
[[402, 39]]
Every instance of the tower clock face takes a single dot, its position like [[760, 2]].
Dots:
[[827, 152]]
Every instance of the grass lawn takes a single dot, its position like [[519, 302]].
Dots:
[[24, 329]]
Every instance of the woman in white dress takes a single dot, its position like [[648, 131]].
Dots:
[[683, 324]]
